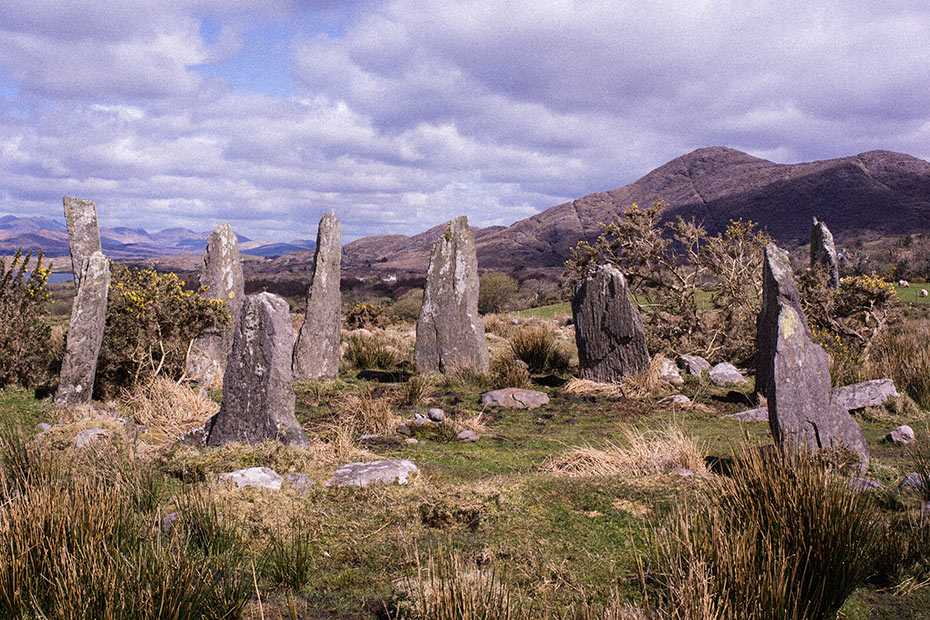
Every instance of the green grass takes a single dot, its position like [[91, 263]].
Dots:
[[911, 294], [549, 312]]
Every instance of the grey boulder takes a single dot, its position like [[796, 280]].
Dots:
[[364, 474], [694, 365], [264, 477], [726, 373], [904, 434], [515, 398]]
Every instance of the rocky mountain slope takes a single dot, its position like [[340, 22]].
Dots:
[[879, 191]]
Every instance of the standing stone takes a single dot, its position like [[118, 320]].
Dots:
[[450, 333], [221, 273], [795, 372], [85, 333], [258, 402], [83, 233], [316, 353], [823, 252], [608, 327]]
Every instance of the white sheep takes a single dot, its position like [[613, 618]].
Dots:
[[923, 292], [903, 283]]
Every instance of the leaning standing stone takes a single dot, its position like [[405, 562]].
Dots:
[[794, 371], [608, 327], [85, 333], [823, 252], [316, 353], [83, 233], [258, 402], [450, 334], [221, 273]]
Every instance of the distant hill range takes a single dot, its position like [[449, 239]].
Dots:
[[878, 192], [125, 243]]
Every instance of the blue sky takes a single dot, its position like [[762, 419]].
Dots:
[[398, 115]]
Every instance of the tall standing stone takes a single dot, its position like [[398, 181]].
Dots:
[[316, 352], [450, 333], [221, 273], [258, 401], [823, 252], [85, 333], [83, 233], [794, 371], [608, 327]]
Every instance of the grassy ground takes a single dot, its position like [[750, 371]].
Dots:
[[554, 540]]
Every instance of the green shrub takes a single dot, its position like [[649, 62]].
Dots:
[[151, 321], [782, 538], [25, 341], [538, 349], [495, 291], [368, 316], [407, 306], [371, 352]]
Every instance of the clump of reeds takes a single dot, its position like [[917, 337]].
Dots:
[[538, 349], [168, 408]]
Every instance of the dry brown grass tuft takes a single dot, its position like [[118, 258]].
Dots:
[[76, 413], [647, 383], [364, 413], [644, 453], [472, 423], [584, 387], [419, 389], [901, 353], [167, 408]]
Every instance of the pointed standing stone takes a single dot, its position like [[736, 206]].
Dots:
[[794, 371], [316, 352], [608, 327], [221, 273], [823, 252], [85, 333], [450, 334], [258, 401], [83, 233]]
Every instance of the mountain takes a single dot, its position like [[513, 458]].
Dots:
[[876, 192]]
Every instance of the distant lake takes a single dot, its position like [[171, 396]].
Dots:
[[60, 276]]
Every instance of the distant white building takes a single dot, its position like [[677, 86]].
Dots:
[[389, 278]]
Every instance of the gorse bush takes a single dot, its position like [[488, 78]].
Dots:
[[782, 538], [25, 341], [368, 316], [151, 322]]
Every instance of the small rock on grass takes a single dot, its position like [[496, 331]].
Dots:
[[866, 484], [436, 415], [467, 435], [43, 426], [675, 399], [913, 481], [904, 434], [364, 474], [668, 372], [87, 436], [695, 365], [300, 482], [254, 477], [725, 373], [515, 398]]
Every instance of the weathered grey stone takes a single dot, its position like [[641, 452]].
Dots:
[[43, 427], [436, 415], [759, 414], [258, 402], [866, 484], [364, 474], [83, 233], [904, 434], [87, 436], [865, 394], [411, 440], [679, 400], [467, 436], [450, 333], [302, 483], [668, 372], [795, 372], [316, 353], [515, 398], [681, 471], [85, 333], [221, 274], [264, 477], [402, 429], [169, 521], [695, 365], [725, 373], [608, 327], [195, 436], [913, 481], [823, 252]]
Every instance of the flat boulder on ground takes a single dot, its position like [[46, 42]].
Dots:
[[694, 365], [902, 435], [364, 474], [794, 371], [450, 333], [515, 398], [866, 394], [608, 327], [258, 400], [726, 373], [668, 372], [264, 477]]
